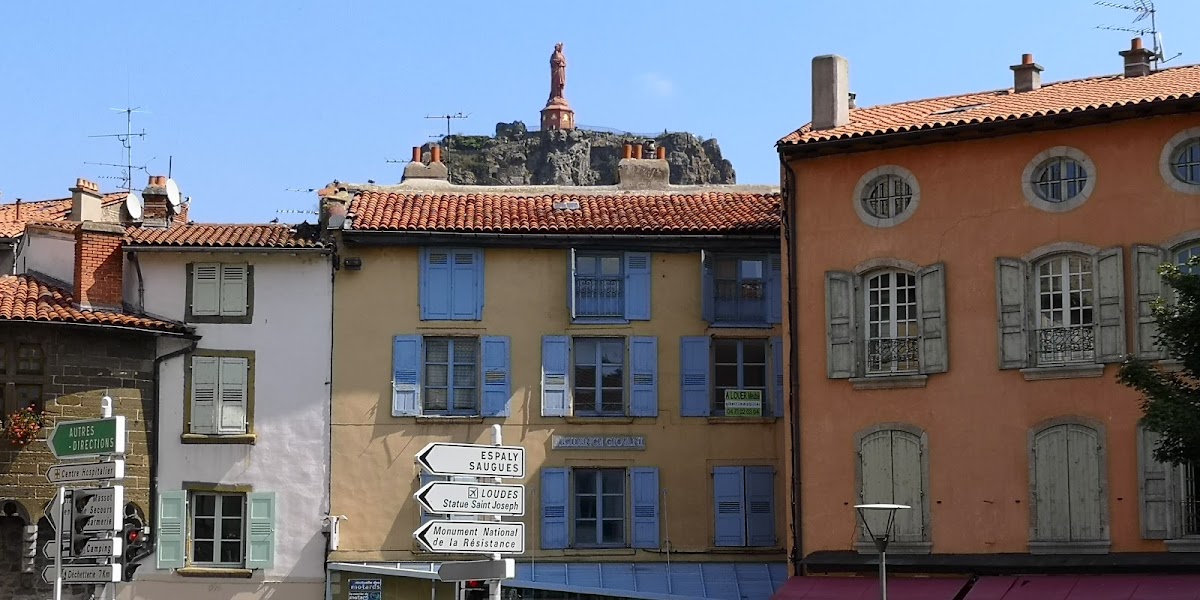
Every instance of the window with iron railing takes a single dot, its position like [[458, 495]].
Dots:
[[599, 285], [892, 328], [1065, 318]]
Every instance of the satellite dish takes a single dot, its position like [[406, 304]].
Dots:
[[133, 204], [172, 192]]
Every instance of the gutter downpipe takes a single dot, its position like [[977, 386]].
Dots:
[[152, 516], [333, 269], [788, 215]]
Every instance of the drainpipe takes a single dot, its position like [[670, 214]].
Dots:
[[152, 512], [333, 269], [788, 212]]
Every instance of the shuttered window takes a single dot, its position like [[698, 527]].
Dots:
[[1170, 496], [451, 383], [220, 395], [739, 366], [744, 506], [599, 376], [219, 290], [1069, 498], [451, 284], [590, 508], [741, 290], [893, 470], [210, 529], [459, 375]]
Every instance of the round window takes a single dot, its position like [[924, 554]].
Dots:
[[1060, 179], [887, 196], [1185, 162]]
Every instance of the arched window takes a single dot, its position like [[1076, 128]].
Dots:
[[1065, 310], [891, 319]]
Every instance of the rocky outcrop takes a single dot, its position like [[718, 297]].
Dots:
[[516, 156]]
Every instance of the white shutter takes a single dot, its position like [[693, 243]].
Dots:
[[234, 285], [233, 395], [204, 395], [206, 289]]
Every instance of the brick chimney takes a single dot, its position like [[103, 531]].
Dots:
[[99, 266], [86, 201], [419, 170], [1137, 59], [156, 209], [638, 173], [830, 92], [1027, 76]]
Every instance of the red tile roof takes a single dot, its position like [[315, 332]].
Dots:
[[14, 216], [1095, 93], [24, 298], [217, 235], [701, 211]]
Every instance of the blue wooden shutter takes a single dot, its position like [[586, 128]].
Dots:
[[556, 399], [554, 508], [435, 284], [707, 289], [406, 375], [171, 528], [774, 289], [776, 402], [466, 300], [729, 503], [260, 530], [643, 358], [637, 286], [645, 507], [760, 506], [694, 359], [497, 376]]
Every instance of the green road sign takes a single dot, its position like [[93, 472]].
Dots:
[[90, 437]]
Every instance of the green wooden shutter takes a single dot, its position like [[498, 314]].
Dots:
[[1052, 505], [1011, 291], [841, 351], [171, 545], [260, 530], [1154, 489], [1110, 305], [1147, 287], [206, 289], [203, 418], [234, 287], [931, 294], [234, 391]]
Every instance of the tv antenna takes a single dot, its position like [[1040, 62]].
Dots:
[[126, 140], [1144, 9], [448, 117]]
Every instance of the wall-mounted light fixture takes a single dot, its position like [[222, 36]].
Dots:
[[352, 263]]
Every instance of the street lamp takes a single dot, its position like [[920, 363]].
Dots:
[[880, 538]]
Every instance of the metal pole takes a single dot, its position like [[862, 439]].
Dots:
[[494, 585], [882, 575], [62, 522], [106, 411]]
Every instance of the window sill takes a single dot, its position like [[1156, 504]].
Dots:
[[746, 549], [1171, 365], [1188, 544], [586, 420], [889, 382], [716, 420], [1063, 372], [246, 439], [1097, 547], [599, 551], [599, 321], [448, 419], [222, 572], [732, 325], [219, 320], [895, 548]]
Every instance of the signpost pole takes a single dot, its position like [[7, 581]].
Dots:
[[106, 410], [62, 522], [494, 585]]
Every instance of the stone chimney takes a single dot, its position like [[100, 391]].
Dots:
[[419, 170], [99, 266], [1027, 76], [156, 209], [637, 173], [830, 92], [1137, 59], [86, 202]]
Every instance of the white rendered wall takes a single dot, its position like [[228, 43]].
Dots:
[[48, 253]]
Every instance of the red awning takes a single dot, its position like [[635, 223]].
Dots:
[[1086, 587], [861, 588]]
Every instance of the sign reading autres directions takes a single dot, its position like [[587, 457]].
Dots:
[[87, 437]]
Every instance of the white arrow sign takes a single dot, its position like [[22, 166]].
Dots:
[[448, 498], [441, 458], [100, 471], [472, 537], [84, 574], [53, 512], [102, 547]]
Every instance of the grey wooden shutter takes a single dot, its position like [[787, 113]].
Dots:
[[841, 353], [1083, 487], [907, 486], [1052, 516], [1011, 291], [875, 472], [1154, 489], [931, 294], [1147, 287], [1110, 305]]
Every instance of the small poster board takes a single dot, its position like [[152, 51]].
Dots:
[[365, 589], [743, 403]]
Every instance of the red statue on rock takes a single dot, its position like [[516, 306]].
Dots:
[[558, 113]]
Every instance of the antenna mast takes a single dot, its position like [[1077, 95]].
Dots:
[[126, 140], [1143, 9], [448, 117]]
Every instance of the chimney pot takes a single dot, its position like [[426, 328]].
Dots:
[[637, 151], [660, 153], [1137, 59], [627, 151], [1136, 44], [416, 154], [436, 154], [830, 92], [1027, 76]]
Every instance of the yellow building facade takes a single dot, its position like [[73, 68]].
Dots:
[[603, 329]]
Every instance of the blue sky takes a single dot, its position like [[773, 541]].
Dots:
[[252, 99]]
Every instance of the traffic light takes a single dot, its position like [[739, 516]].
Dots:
[[475, 590], [79, 500], [135, 542]]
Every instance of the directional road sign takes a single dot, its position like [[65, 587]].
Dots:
[[441, 458], [96, 547], [473, 570], [89, 437], [97, 471], [53, 512], [472, 537], [448, 498], [84, 574], [102, 506]]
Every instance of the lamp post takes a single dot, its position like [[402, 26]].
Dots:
[[880, 538]]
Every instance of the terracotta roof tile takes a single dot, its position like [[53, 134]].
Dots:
[[14, 216], [694, 212], [1095, 93], [217, 235], [24, 298]]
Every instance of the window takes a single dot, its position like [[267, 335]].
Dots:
[[893, 469], [221, 393], [1059, 179], [1068, 488], [451, 284], [886, 196], [609, 286], [1170, 497], [710, 366], [22, 376], [886, 323], [215, 529], [597, 508], [739, 366], [450, 376], [586, 376], [744, 506], [742, 290], [219, 293], [1061, 310], [1179, 162], [1185, 164], [1149, 286]]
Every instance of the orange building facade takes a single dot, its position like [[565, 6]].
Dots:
[[964, 276]]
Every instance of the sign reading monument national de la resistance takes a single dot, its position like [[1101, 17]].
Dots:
[[87, 438]]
